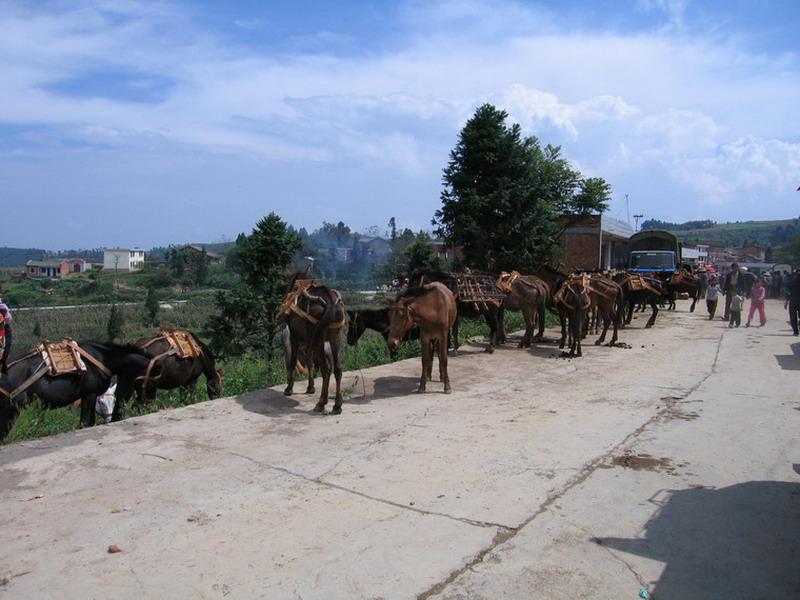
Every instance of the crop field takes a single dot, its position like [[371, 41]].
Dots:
[[241, 374]]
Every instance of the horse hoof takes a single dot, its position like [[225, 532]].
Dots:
[[489, 350], [287, 392], [311, 391], [336, 410], [597, 343], [319, 408], [448, 389], [420, 390]]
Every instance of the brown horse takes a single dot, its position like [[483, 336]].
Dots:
[[432, 308], [572, 302], [607, 297], [315, 314], [530, 294]]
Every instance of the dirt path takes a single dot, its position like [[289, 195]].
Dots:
[[538, 477]]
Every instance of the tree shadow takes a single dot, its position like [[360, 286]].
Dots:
[[790, 362], [741, 541]]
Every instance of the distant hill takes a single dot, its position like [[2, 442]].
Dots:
[[759, 233], [17, 257]]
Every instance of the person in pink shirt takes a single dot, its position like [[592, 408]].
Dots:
[[757, 295]]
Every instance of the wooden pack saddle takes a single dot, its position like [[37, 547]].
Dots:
[[637, 283], [62, 357], [181, 343], [291, 302], [477, 288]]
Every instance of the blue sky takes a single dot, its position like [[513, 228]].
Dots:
[[148, 123]]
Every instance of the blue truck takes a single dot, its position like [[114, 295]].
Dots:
[[654, 251]]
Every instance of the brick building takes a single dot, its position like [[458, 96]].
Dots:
[[596, 242], [55, 269]]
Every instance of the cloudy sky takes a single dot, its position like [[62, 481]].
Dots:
[[148, 123]]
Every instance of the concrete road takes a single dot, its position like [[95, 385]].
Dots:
[[671, 465]]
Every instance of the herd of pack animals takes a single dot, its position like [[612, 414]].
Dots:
[[314, 316]]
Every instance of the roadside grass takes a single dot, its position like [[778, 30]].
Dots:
[[241, 374]]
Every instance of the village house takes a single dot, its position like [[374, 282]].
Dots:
[[55, 269], [212, 257], [123, 259], [596, 242]]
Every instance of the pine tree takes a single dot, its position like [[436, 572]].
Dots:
[[116, 320], [505, 197], [152, 306]]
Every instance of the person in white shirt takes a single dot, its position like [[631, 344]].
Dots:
[[712, 296]]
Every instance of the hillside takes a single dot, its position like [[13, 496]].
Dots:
[[760, 233]]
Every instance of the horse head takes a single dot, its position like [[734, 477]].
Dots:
[[401, 320]]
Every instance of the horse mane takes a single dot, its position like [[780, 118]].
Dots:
[[114, 347], [415, 292]]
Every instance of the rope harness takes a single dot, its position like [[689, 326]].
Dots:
[[291, 303], [181, 343]]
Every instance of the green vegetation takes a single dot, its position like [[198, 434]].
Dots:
[[735, 235]]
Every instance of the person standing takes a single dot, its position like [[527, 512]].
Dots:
[[735, 308], [712, 297], [733, 285], [757, 296], [792, 302], [8, 335]]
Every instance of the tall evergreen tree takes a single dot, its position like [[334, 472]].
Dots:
[[116, 320], [506, 199]]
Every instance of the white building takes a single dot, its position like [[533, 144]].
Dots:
[[123, 259]]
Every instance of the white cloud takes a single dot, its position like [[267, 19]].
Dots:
[[648, 110]]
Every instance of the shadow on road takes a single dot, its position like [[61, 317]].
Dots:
[[272, 403], [791, 361], [741, 541], [388, 387]]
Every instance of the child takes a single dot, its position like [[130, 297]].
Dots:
[[712, 297], [757, 295], [737, 301]]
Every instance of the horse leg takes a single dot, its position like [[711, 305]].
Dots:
[[651, 321], [525, 342], [122, 395], [606, 319], [8, 415], [542, 314], [325, 369], [629, 317], [427, 362], [443, 365], [563, 319], [291, 367], [310, 357], [455, 335], [615, 325], [336, 358], [501, 326], [491, 321], [694, 300], [88, 409]]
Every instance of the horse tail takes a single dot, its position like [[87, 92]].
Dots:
[[318, 333]]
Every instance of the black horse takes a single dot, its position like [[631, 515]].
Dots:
[[62, 390], [174, 373], [377, 319]]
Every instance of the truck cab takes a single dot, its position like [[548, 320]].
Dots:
[[654, 251]]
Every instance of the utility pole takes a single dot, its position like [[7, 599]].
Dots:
[[637, 217], [628, 209]]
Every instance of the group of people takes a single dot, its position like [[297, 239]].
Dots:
[[736, 286]]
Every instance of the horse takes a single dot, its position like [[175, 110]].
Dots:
[[608, 297], [376, 319], [175, 372], [572, 301], [530, 294], [286, 341], [29, 377], [488, 310], [314, 314], [640, 290], [432, 308], [682, 281]]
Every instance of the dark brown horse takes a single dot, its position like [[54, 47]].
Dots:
[[175, 372], [29, 377], [640, 290], [377, 319], [432, 308], [315, 314], [530, 293], [571, 300], [683, 282]]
